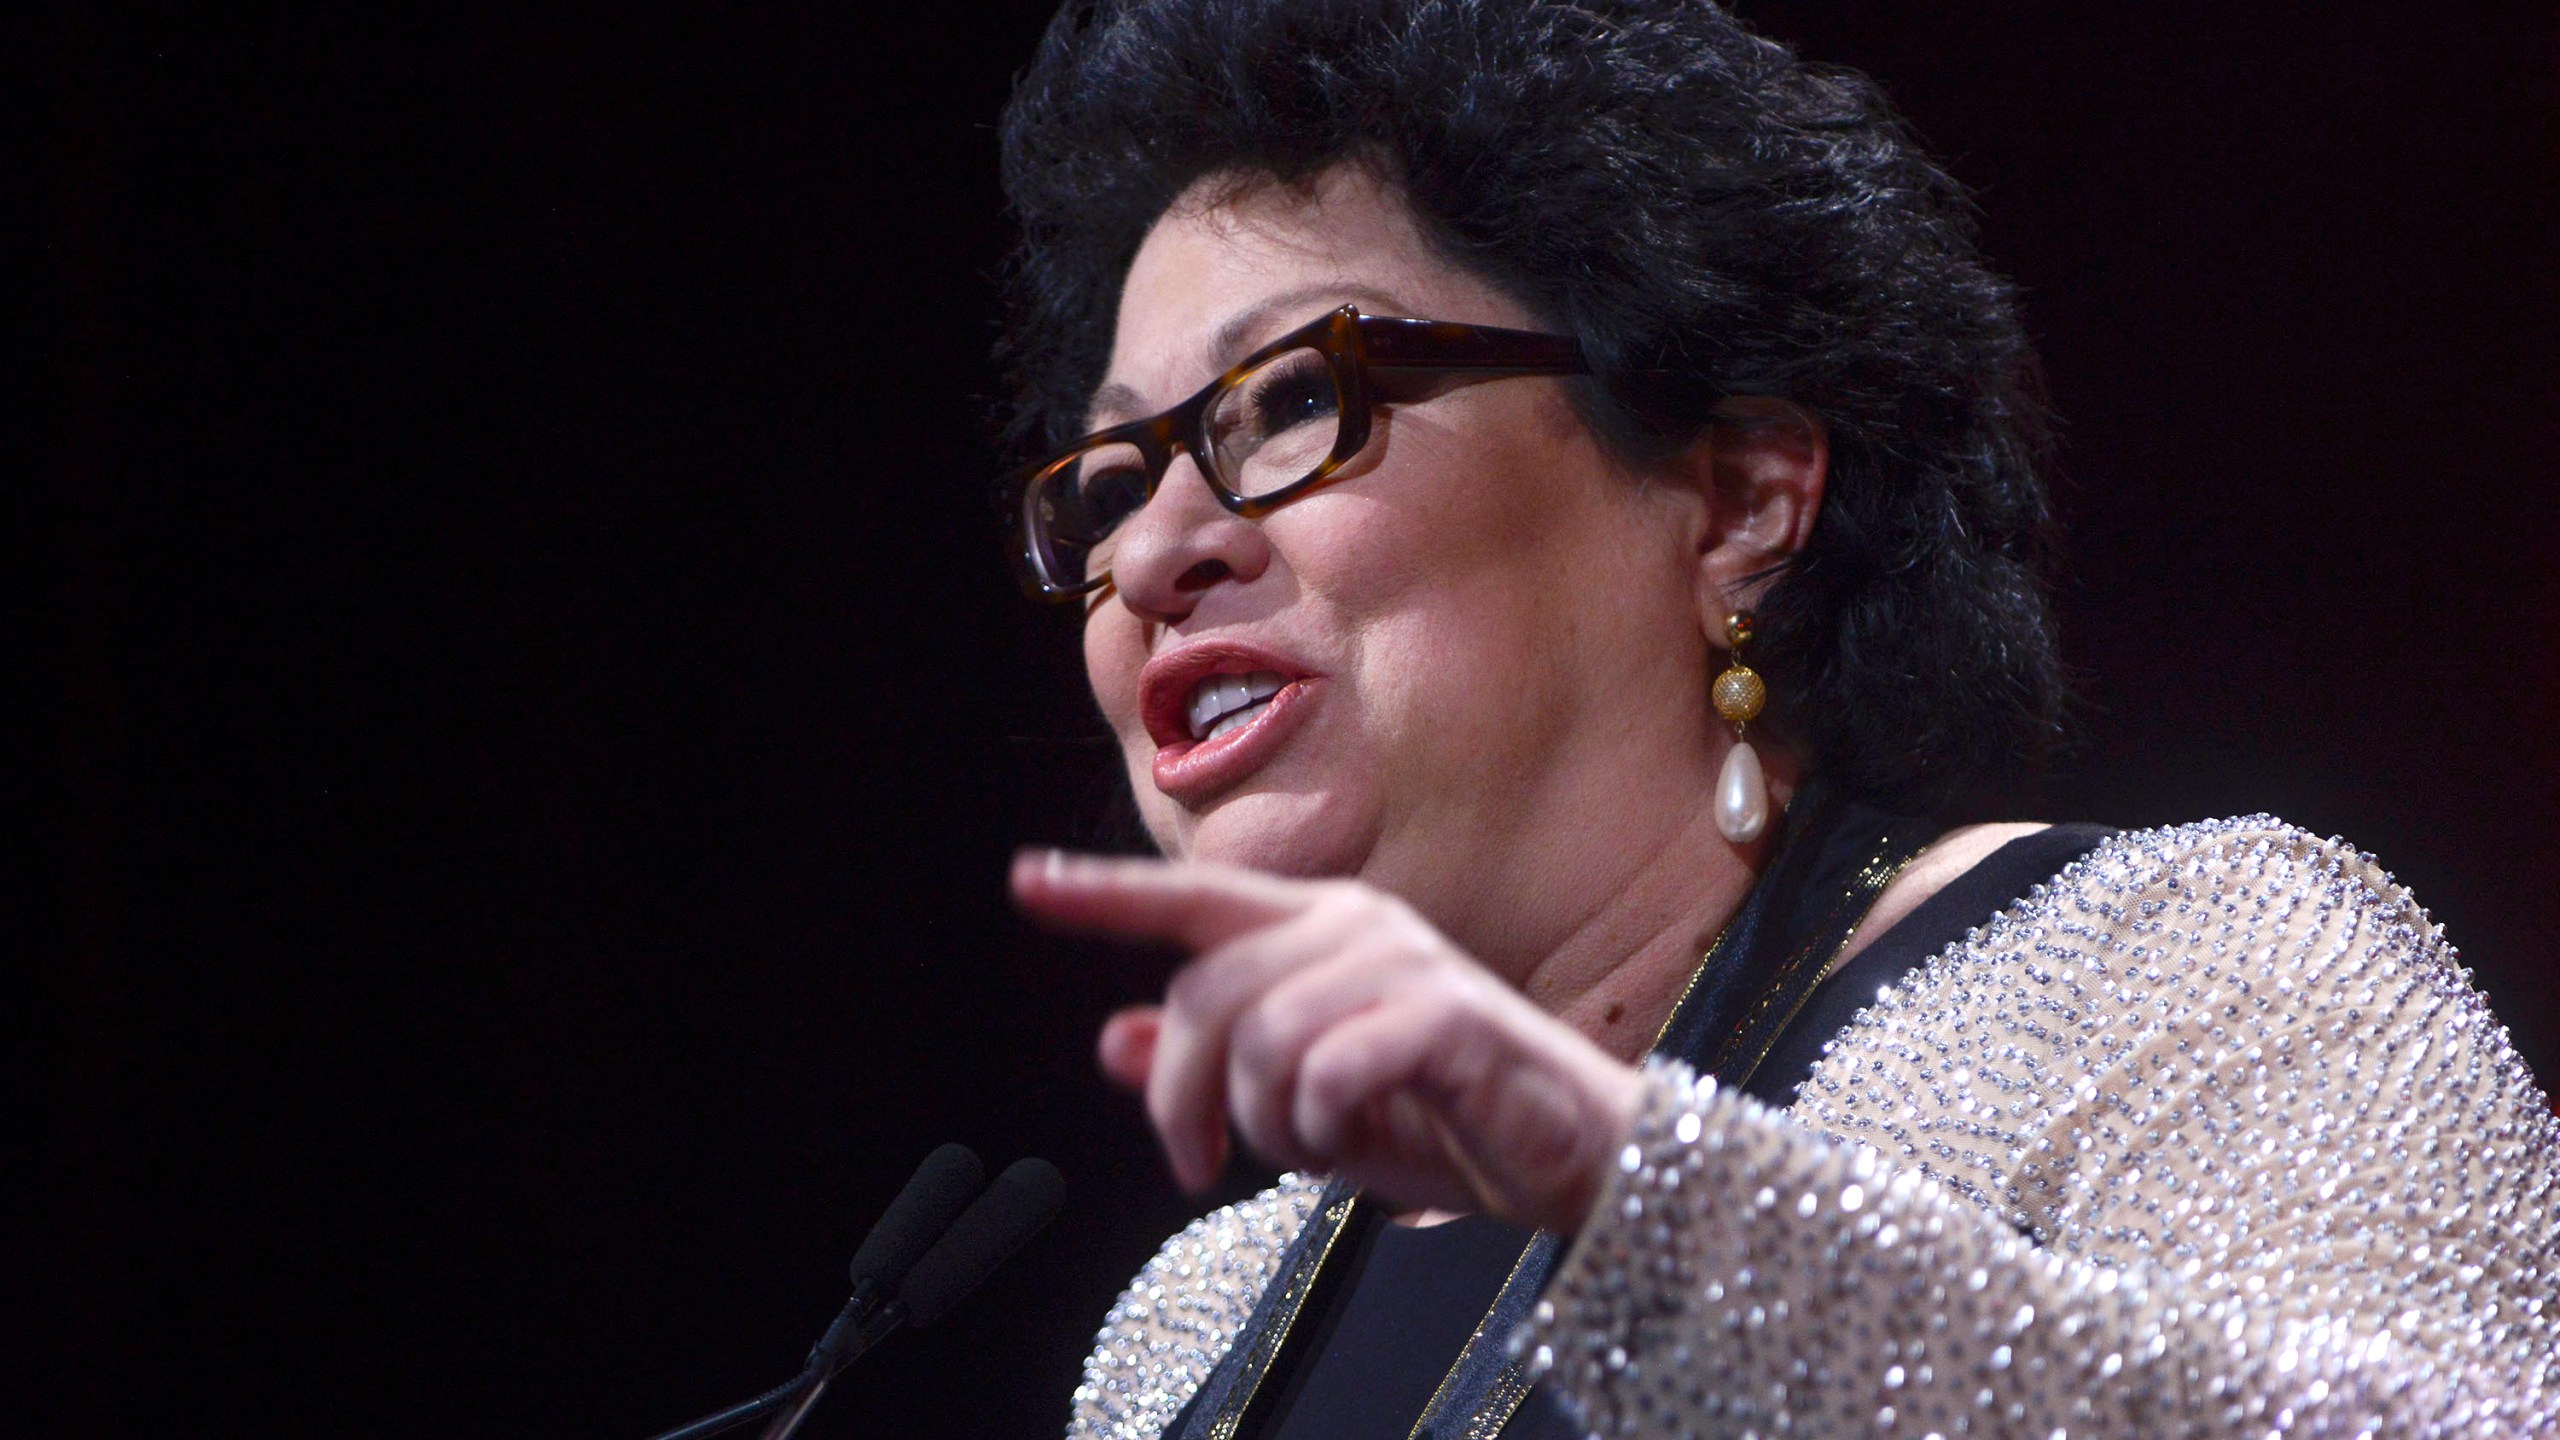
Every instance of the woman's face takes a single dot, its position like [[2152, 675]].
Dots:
[[1484, 637]]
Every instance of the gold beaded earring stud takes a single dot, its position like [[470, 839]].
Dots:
[[1742, 789]]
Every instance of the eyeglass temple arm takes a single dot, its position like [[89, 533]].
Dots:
[[1390, 344]]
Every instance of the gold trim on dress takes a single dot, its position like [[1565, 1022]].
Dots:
[[1332, 1221]]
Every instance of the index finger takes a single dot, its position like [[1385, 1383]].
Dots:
[[1192, 903]]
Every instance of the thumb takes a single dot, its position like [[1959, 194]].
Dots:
[[1128, 1045]]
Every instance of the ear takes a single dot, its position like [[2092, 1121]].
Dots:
[[1763, 463]]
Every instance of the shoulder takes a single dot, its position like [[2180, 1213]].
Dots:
[[2198, 886], [2224, 899], [2226, 954], [1929, 872], [1176, 1319], [2169, 859], [2221, 1106]]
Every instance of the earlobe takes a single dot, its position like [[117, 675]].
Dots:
[[1767, 463]]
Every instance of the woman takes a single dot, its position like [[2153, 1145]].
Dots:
[[1456, 421]]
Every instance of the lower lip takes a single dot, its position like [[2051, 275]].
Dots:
[[1192, 771]]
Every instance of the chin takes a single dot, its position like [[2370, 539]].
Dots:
[[1281, 833]]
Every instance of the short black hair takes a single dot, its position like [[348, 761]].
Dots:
[[1707, 214]]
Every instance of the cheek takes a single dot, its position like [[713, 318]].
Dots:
[[1467, 678], [1113, 654], [1505, 626], [1487, 552], [1496, 493]]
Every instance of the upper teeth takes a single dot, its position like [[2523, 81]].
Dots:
[[1221, 703]]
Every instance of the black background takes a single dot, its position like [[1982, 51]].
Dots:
[[531, 717]]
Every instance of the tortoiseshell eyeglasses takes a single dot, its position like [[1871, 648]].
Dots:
[[1268, 431]]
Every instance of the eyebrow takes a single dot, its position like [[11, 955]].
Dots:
[[1113, 399], [1228, 343]]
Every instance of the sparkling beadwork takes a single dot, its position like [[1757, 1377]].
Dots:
[[2209, 1136], [1178, 1317]]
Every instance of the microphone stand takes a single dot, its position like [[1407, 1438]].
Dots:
[[826, 1361], [862, 1324], [735, 1415], [930, 1259]]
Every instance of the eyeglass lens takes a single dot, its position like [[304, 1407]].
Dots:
[[1269, 428]]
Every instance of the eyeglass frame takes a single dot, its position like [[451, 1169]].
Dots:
[[1352, 345]]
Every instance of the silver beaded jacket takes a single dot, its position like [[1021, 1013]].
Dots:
[[2209, 1135]]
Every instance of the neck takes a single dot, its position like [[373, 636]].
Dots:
[[1617, 974], [1620, 941]]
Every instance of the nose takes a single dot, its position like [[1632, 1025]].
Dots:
[[1181, 544]]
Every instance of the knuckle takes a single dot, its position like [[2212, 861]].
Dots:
[[1269, 1039], [1323, 1081], [1351, 900], [1331, 1075], [1257, 1107], [1438, 1002], [1254, 1044], [1187, 991], [1267, 1133], [1377, 955]]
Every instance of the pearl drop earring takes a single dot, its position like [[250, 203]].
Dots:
[[1742, 790]]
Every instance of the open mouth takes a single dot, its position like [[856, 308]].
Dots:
[[1223, 704], [1220, 711]]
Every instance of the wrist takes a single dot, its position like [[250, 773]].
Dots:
[[1614, 1096]]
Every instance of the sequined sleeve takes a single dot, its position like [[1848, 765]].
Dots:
[[2210, 1136], [1175, 1321]]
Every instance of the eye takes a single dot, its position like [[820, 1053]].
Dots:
[[1108, 492], [1296, 390]]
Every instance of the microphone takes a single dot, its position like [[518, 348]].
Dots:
[[922, 1259], [932, 1199], [1023, 1200]]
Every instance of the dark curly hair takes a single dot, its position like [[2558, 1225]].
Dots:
[[1707, 214]]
